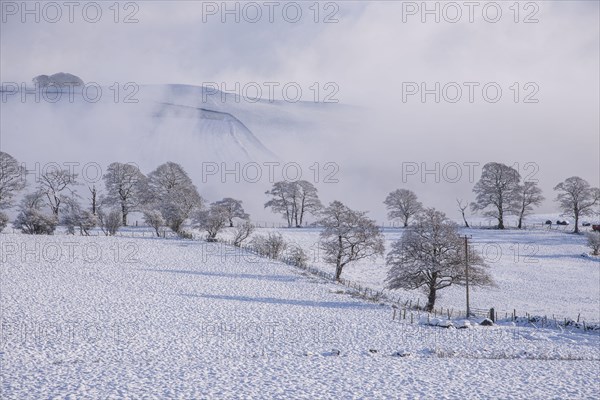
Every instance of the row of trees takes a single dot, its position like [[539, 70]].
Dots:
[[499, 193], [166, 197]]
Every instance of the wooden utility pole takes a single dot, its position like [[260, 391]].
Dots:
[[467, 273]]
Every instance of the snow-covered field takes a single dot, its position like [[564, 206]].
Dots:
[[98, 317], [540, 272]]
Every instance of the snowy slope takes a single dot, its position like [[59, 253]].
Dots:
[[541, 272], [98, 317]]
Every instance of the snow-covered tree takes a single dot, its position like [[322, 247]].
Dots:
[[12, 179], [154, 218], [56, 185], [577, 198], [497, 192], [31, 219], [233, 208], [530, 195], [125, 187], [212, 221], [306, 200], [431, 256], [293, 200], [348, 236], [593, 241], [281, 201], [402, 204], [74, 216], [170, 187], [242, 232]]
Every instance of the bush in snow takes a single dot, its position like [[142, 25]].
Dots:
[[31, 219], [271, 246], [297, 256], [74, 216], [34, 222], [242, 233], [155, 219], [594, 242], [110, 222], [3, 221]]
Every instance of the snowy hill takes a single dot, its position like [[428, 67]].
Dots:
[[147, 122]]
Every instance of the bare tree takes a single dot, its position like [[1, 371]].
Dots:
[[294, 200], [462, 207], [497, 192], [212, 221], [402, 204], [12, 179], [52, 184], [242, 232], [170, 187], [233, 208], [576, 198], [348, 236], [530, 195], [593, 241], [125, 185], [431, 256]]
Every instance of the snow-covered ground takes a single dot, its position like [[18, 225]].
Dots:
[[540, 272], [98, 317]]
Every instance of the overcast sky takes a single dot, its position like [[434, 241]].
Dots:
[[371, 53]]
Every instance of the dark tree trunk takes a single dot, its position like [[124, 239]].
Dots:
[[500, 216], [124, 212], [338, 264], [431, 298], [464, 219], [576, 222]]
